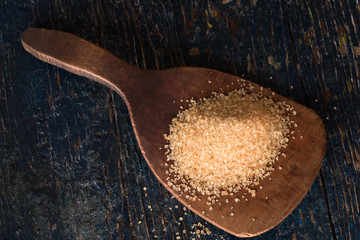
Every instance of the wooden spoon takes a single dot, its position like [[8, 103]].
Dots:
[[154, 97]]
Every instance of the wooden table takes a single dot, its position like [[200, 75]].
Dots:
[[70, 167]]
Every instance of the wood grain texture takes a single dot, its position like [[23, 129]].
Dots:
[[67, 172], [327, 37]]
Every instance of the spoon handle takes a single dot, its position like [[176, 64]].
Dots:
[[81, 57]]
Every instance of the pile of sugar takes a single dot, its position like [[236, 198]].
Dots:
[[225, 143]]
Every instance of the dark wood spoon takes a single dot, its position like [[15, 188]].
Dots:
[[154, 97]]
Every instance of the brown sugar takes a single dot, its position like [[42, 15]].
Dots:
[[225, 143]]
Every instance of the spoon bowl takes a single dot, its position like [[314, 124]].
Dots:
[[154, 97]]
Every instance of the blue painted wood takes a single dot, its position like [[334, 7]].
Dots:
[[327, 42], [70, 166]]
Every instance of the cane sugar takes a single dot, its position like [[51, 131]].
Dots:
[[226, 142]]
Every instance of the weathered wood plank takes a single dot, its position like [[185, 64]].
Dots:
[[327, 43], [69, 163]]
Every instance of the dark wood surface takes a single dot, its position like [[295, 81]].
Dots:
[[153, 99], [70, 166]]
